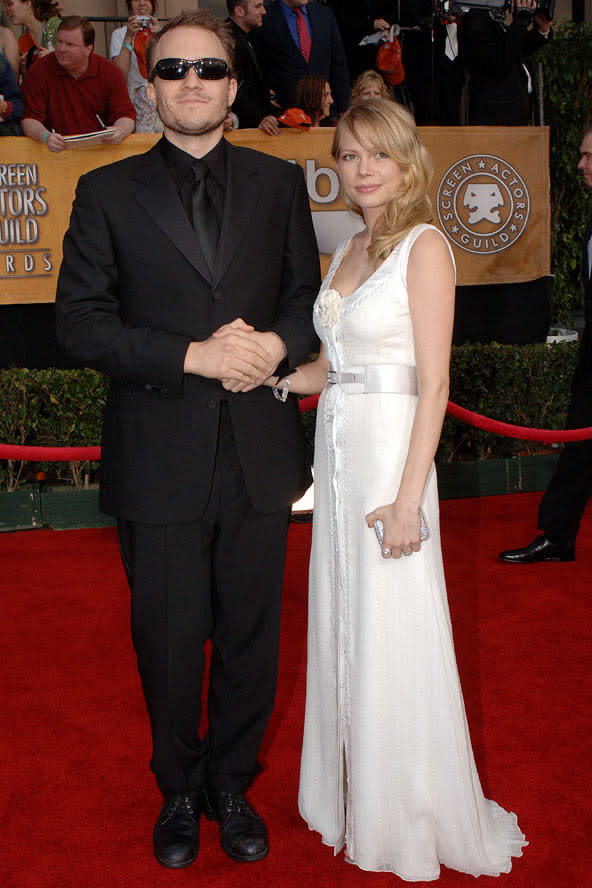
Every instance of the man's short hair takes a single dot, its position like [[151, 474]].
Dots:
[[232, 4], [73, 22], [199, 19]]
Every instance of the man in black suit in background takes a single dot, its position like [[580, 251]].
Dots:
[[570, 488], [189, 275], [300, 38], [252, 105], [494, 55]]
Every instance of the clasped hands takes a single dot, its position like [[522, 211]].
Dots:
[[401, 529], [241, 357]]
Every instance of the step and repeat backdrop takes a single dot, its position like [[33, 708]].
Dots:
[[490, 194]]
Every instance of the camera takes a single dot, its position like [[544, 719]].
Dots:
[[143, 21], [455, 7]]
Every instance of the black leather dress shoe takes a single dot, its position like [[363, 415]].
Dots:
[[176, 832], [243, 834], [541, 549]]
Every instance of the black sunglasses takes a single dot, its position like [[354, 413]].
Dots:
[[178, 69]]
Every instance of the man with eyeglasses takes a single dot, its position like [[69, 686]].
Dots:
[[188, 277]]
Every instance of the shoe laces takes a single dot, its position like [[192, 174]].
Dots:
[[178, 804], [234, 803]]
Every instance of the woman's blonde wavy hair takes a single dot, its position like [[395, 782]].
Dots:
[[389, 127]]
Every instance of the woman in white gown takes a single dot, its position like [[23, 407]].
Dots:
[[387, 767]]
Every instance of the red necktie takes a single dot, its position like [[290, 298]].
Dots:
[[303, 34]]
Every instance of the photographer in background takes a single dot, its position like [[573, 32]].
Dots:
[[127, 52], [500, 89]]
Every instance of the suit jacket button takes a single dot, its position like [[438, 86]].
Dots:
[[148, 387], [216, 295], [212, 404]]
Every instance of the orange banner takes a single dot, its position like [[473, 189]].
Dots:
[[490, 195]]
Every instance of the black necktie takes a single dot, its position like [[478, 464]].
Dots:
[[205, 221]]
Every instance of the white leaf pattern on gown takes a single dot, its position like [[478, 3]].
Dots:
[[387, 765]]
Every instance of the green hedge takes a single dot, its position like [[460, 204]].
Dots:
[[567, 68], [49, 408], [527, 385]]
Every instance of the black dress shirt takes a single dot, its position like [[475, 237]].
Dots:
[[180, 166]]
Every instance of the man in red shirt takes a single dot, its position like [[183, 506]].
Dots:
[[72, 91]]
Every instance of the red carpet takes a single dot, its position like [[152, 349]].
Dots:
[[78, 799]]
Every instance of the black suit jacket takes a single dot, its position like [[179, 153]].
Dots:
[[283, 64], [134, 291], [583, 375], [494, 56], [252, 101], [586, 277]]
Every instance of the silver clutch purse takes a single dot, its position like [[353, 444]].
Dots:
[[424, 531]]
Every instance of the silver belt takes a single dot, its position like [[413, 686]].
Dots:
[[400, 379]]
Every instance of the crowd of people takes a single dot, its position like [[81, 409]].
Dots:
[[298, 63]]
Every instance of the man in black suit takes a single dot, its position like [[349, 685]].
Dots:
[[287, 25], [499, 92], [252, 105], [357, 19], [200, 462], [570, 488]]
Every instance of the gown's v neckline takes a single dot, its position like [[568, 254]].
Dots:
[[340, 263]]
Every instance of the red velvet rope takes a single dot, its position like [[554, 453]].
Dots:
[[49, 454], [507, 430]]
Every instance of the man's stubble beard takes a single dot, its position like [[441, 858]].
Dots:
[[197, 129]]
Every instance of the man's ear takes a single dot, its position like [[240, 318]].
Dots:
[[151, 93], [232, 89]]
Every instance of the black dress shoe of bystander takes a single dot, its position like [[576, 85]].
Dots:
[[243, 833], [541, 549], [176, 832]]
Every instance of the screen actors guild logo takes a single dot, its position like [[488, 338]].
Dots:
[[483, 204]]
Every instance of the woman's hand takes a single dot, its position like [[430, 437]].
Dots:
[[135, 23], [401, 528]]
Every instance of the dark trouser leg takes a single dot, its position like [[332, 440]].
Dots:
[[221, 577], [171, 620], [570, 488], [248, 568]]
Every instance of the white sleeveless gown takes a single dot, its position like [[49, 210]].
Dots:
[[387, 766]]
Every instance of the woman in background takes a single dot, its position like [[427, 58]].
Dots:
[[41, 20], [312, 94], [369, 85], [127, 51], [387, 766]]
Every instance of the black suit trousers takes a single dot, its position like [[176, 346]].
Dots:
[[570, 488], [219, 577]]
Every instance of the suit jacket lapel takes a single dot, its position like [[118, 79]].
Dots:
[[157, 195], [243, 191]]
